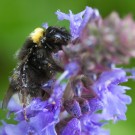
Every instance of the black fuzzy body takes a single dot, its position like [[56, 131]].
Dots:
[[36, 65]]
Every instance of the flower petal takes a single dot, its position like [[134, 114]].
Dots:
[[73, 128]]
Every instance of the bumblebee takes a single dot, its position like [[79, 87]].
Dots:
[[35, 64]]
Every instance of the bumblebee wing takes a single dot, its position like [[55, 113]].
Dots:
[[10, 92]]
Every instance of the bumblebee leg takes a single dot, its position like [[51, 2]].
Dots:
[[24, 101], [24, 91]]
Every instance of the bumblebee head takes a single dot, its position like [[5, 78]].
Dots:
[[55, 38]]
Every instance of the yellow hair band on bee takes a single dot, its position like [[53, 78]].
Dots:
[[37, 34]]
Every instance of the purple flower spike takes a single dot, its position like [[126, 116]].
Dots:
[[78, 21], [87, 94], [113, 95]]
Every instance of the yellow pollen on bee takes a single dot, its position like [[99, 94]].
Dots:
[[37, 34]]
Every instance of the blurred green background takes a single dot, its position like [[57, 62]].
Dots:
[[19, 18]]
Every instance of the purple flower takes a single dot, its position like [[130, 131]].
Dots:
[[87, 94], [78, 21], [91, 126], [42, 123], [73, 128], [112, 95]]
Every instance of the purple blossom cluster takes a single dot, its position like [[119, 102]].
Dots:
[[88, 94]]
